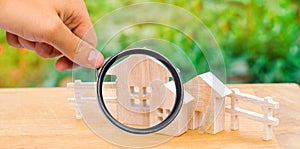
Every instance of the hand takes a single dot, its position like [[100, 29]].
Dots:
[[52, 28]]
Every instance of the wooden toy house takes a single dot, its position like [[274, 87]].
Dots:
[[139, 71], [161, 109], [210, 93]]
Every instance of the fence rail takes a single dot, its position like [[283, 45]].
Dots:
[[86, 92], [267, 104]]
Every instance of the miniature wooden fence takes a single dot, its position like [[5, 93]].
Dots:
[[266, 118], [86, 91]]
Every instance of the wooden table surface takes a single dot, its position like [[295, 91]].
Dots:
[[43, 118]]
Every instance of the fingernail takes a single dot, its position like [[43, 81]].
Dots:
[[94, 58]]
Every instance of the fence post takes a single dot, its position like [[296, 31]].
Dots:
[[78, 97], [268, 111], [234, 105]]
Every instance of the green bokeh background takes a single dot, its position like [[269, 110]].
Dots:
[[259, 39]]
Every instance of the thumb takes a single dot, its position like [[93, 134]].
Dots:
[[71, 46]]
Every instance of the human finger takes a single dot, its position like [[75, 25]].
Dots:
[[12, 40]]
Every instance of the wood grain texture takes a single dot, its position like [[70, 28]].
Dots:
[[43, 118], [209, 92]]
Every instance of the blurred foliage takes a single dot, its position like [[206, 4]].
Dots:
[[260, 41], [23, 68]]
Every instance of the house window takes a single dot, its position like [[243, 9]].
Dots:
[[159, 118], [160, 111], [134, 90], [140, 97], [168, 111], [135, 102], [146, 90], [146, 103]]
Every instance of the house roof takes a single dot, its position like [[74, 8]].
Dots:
[[171, 86], [133, 60], [215, 84], [130, 60]]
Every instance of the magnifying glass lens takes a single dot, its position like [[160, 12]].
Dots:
[[139, 92]]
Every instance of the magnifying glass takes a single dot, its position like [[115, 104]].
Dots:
[[139, 91]]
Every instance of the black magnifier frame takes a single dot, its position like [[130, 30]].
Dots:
[[101, 72]]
